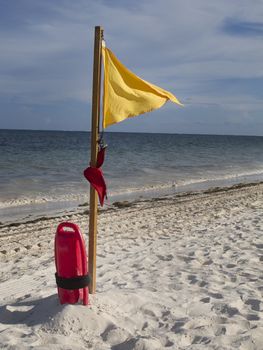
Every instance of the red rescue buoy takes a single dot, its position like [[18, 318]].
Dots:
[[71, 264]]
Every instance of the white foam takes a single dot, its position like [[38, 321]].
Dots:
[[171, 187]]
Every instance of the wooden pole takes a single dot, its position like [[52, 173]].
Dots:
[[94, 151]]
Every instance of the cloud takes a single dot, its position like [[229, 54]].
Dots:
[[243, 28], [208, 53]]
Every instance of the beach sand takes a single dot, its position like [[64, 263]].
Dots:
[[182, 272]]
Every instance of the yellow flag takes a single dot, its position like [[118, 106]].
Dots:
[[125, 94]]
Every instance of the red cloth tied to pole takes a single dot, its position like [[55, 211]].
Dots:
[[100, 157], [96, 178]]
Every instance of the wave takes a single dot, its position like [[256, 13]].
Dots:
[[144, 190], [34, 200]]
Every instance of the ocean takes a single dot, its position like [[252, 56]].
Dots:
[[43, 170]]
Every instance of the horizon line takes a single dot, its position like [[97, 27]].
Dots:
[[131, 132]]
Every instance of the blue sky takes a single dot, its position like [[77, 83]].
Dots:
[[207, 52]]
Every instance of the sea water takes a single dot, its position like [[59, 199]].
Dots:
[[46, 167]]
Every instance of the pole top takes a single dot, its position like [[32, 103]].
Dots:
[[99, 31]]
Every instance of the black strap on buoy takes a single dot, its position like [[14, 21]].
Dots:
[[72, 283]]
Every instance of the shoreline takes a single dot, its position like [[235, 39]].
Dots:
[[78, 209], [38, 204]]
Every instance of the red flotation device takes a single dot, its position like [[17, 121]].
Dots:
[[71, 264]]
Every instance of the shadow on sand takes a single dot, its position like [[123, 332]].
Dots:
[[31, 313]]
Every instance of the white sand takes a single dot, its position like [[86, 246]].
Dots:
[[179, 273]]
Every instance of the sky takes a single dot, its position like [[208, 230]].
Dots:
[[209, 53]]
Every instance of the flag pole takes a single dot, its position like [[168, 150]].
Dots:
[[94, 152]]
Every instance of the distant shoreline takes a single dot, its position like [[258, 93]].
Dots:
[[134, 132]]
